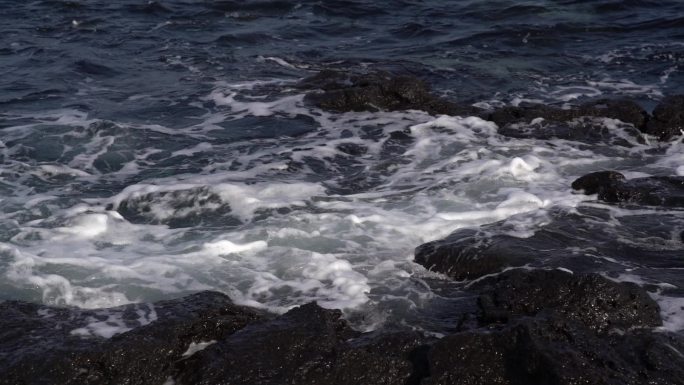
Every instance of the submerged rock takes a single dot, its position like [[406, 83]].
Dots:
[[571, 124], [462, 258], [624, 110], [667, 121], [611, 186], [584, 239], [177, 208], [342, 92], [581, 130], [621, 109]]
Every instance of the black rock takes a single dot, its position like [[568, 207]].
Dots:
[[353, 149], [667, 121], [583, 130], [596, 182], [591, 299], [624, 110], [178, 208], [200, 339], [38, 344], [569, 124], [525, 114], [343, 92], [584, 239], [612, 186], [554, 350], [308, 345], [553, 327], [460, 258]]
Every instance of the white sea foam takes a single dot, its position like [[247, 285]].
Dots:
[[110, 322], [195, 347], [313, 222], [671, 311]]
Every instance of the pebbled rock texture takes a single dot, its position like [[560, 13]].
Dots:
[[667, 121], [551, 327], [340, 91], [532, 327], [577, 239], [38, 344], [611, 186]]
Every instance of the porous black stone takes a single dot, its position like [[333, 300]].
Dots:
[[38, 346], [308, 345], [591, 299], [667, 121], [612, 186], [343, 92]]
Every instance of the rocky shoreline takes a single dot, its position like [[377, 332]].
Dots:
[[541, 313], [531, 327], [342, 92]]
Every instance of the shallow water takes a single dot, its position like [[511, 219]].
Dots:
[[155, 149]]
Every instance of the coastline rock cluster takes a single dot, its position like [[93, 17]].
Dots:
[[342, 92], [532, 327], [611, 186], [542, 316]]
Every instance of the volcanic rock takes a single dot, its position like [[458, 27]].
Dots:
[[49, 345], [459, 257], [308, 345], [555, 350], [593, 300], [623, 110], [571, 124], [553, 327], [200, 339], [577, 239], [611, 186], [177, 208], [667, 121], [341, 92]]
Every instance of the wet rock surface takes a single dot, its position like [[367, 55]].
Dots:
[[624, 110], [554, 350], [536, 312], [579, 123], [529, 293], [342, 92], [611, 186], [201, 339], [544, 316], [667, 121], [584, 239], [179, 208], [48, 345], [532, 327], [461, 256], [554, 327], [308, 345]]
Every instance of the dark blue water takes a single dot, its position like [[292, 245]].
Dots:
[[185, 111], [95, 55]]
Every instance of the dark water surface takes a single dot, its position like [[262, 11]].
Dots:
[[152, 149]]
